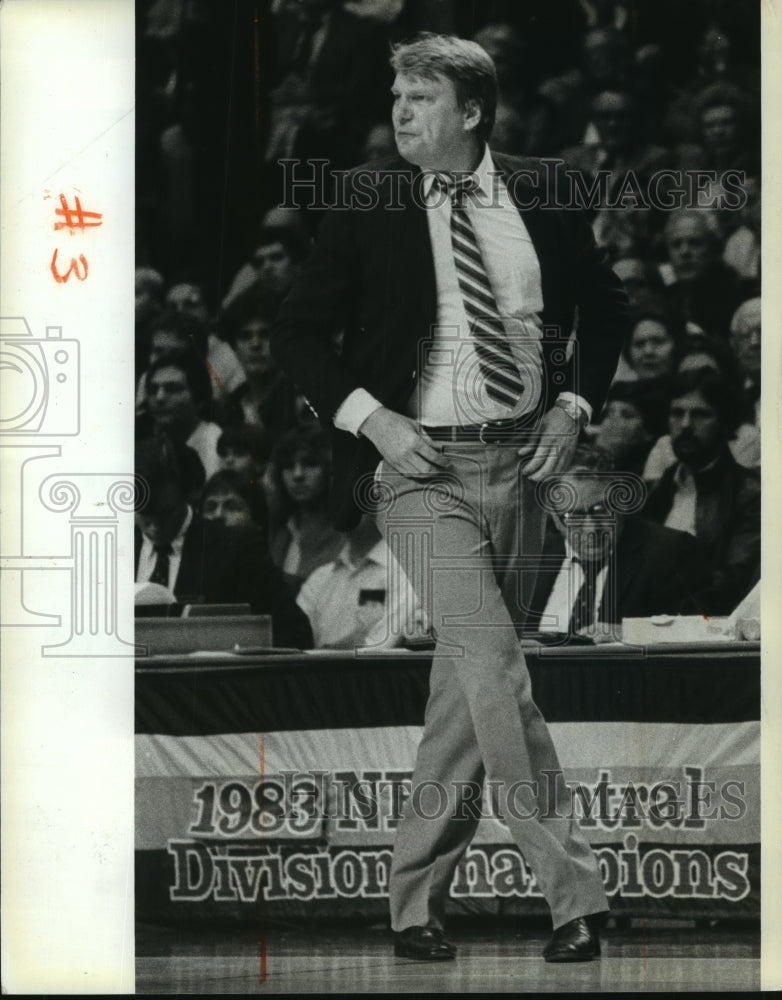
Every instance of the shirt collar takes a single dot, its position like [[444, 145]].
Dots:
[[377, 554], [485, 172], [685, 479], [178, 541]]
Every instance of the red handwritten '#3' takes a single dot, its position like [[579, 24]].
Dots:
[[73, 269], [76, 218]]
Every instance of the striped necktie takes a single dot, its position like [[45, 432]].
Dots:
[[495, 358]]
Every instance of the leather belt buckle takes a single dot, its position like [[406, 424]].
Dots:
[[497, 431]]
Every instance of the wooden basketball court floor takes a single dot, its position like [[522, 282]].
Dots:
[[505, 958]]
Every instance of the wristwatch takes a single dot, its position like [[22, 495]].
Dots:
[[573, 410]]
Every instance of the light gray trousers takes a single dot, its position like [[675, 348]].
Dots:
[[464, 546]]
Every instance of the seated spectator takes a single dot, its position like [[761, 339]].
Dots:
[[247, 327], [282, 245], [715, 62], [626, 430], [302, 537], [745, 341], [355, 600], [624, 233], [149, 302], [745, 443], [649, 356], [704, 292], [742, 247], [223, 364], [606, 63], [618, 142], [600, 565], [243, 449], [267, 399], [179, 396], [707, 493], [721, 116], [330, 80], [204, 561], [654, 343], [524, 120], [641, 278], [235, 501], [172, 331]]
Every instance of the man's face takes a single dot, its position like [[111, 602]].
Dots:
[[696, 434], [718, 126], [590, 527], [227, 507], [745, 340], [651, 349], [612, 116], [274, 266], [602, 56], [171, 402], [252, 348], [188, 299], [690, 249], [429, 126]]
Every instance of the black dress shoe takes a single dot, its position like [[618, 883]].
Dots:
[[576, 941], [424, 943]]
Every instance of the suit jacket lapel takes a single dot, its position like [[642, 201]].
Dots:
[[412, 243], [624, 571]]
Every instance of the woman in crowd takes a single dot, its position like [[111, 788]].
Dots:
[[301, 537]]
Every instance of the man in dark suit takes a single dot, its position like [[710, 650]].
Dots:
[[707, 493], [203, 561], [600, 564], [456, 309]]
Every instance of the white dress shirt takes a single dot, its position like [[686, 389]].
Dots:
[[148, 556], [681, 516], [562, 599], [513, 270], [330, 599], [203, 441]]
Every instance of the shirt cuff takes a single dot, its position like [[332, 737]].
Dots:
[[354, 410], [581, 403]]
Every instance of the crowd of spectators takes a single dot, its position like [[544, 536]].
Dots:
[[660, 100]]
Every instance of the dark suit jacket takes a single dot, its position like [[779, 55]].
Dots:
[[222, 565], [371, 274], [727, 528], [656, 572]]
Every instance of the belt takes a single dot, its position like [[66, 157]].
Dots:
[[489, 432]]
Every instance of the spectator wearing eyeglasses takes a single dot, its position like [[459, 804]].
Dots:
[[600, 565]]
